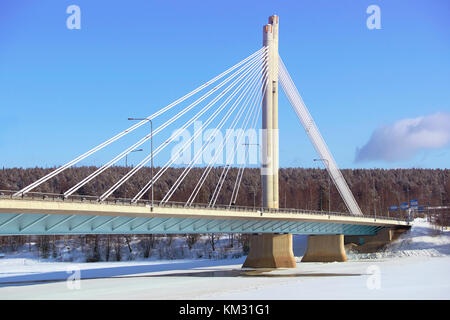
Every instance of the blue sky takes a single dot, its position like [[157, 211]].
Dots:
[[64, 91]]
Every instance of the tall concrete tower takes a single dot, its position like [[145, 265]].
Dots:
[[270, 250], [267, 123], [269, 170], [273, 20]]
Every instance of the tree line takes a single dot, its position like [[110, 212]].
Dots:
[[375, 190]]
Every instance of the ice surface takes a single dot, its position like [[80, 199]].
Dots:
[[415, 266]]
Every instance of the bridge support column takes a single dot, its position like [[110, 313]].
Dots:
[[327, 248], [384, 236], [367, 244], [270, 250]]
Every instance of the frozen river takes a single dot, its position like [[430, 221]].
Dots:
[[394, 278], [416, 266]]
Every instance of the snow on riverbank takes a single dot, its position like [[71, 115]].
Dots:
[[422, 240]]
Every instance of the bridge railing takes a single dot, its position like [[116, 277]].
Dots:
[[173, 204]]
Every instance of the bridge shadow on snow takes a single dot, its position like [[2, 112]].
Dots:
[[32, 278], [113, 271], [130, 272]]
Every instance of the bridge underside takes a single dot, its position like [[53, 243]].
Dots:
[[42, 224]]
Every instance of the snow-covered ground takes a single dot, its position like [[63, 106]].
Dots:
[[423, 240], [415, 266]]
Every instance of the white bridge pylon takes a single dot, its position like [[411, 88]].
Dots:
[[231, 100]]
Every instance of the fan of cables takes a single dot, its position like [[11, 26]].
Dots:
[[231, 101]]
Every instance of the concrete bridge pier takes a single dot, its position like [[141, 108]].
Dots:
[[270, 250], [367, 244], [326, 248]]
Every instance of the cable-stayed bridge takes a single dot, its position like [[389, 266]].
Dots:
[[234, 102]]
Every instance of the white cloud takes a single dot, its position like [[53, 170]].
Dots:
[[403, 139]]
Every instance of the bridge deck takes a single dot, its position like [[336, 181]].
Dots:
[[77, 216], [51, 214]]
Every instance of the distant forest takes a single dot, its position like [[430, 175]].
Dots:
[[374, 189]]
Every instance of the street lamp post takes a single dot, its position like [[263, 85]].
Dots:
[[254, 191], [329, 185], [151, 149], [126, 156], [254, 198]]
